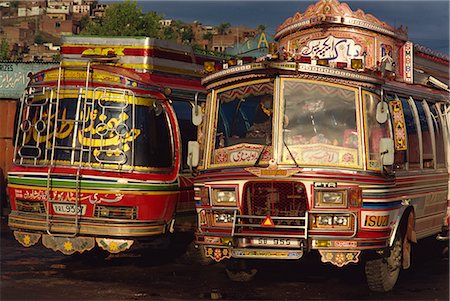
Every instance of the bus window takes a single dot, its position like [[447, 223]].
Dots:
[[155, 148], [438, 133], [374, 130], [412, 133], [188, 130], [427, 147], [245, 116]]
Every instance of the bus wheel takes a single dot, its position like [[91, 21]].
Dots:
[[239, 270], [382, 273]]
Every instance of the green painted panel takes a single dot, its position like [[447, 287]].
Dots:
[[14, 77]]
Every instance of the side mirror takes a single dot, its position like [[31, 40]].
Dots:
[[197, 115], [382, 112], [193, 155], [387, 151]]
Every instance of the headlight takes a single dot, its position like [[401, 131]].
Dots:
[[224, 196], [333, 198], [336, 221], [223, 218]]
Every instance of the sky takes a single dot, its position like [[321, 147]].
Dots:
[[427, 21]]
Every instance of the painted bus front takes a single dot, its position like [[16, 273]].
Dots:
[[99, 146], [336, 143]]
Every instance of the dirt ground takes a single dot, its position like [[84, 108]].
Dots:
[[37, 273]]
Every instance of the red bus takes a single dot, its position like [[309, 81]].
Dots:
[[100, 142]]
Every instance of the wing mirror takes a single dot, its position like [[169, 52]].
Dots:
[[387, 151], [193, 155], [382, 112], [197, 115]]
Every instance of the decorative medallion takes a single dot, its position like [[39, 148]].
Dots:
[[68, 245], [27, 239], [114, 245], [339, 258], [273, 173], [217, 254]]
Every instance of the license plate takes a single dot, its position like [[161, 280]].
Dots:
[[277, 242], [69, 209]]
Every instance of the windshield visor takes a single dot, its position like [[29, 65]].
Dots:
[[320, 124], [243, 124]]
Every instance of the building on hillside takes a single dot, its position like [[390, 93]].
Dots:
[[234, 36], [220, 43], [17, 35], [83, 9], [31, 8], [59, 10], [58, 27], [99, 10]]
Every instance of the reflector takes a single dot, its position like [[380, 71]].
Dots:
[[268, 222]]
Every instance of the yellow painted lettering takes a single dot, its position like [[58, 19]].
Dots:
[[263, 40]]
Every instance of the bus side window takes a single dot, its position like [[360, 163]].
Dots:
[[425, 125], [374, 130], [413, 152], [439, 136], [188, 131]]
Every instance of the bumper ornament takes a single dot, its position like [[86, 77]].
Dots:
[[114, 245], [217, 254], [68, 245], [27, 239], [339, 257]]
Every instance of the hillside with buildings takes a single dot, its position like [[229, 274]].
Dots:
[[32, 30]]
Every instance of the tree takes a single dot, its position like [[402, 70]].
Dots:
[[223, 28], [4, 50], [187, 35], [84, 21], [125, 19], [261, 27], [38, 39], [208, 36], [168, 33]]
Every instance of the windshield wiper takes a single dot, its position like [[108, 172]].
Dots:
[[290, 153], [261, 154]]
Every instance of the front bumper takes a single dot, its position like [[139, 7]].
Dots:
[[129, 229]]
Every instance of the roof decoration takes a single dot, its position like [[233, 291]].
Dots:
[[432, 54], [332, 11]]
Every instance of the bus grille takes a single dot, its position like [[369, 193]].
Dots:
[[285, 202], [282, 199]]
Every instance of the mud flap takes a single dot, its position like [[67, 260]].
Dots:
[[114, 246], [68, 245], [27, 239], [339, 258]]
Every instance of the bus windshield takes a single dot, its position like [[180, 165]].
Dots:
[[320, 124], [111, 134], [244, 123]]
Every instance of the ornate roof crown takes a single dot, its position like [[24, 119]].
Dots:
[[332, 11]]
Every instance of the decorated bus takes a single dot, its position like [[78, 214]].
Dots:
[[99, 145], [334, 143]]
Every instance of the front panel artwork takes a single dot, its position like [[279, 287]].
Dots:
[[108, 131]]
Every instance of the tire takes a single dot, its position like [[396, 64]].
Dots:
[[382, 273], [239, 271]]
